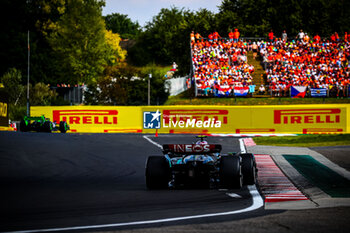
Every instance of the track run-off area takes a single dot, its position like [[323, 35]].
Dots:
[[96, 182]]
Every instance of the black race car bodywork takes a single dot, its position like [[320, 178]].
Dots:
[[199, 165], [42, 124]]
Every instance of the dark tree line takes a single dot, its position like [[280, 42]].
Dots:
[[166, 38]]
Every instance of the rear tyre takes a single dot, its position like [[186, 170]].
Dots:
[[63, 127], [248, 169], [23, 126], [230, 172], [47, 127], [157, 172]]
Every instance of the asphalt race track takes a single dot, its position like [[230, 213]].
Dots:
[[97, 182]]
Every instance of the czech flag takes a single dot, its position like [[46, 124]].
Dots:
[[298, 91], [241, 91]]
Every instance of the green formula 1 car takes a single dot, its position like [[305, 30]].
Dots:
[[42, 124]]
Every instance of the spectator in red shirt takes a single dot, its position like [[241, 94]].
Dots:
[[271, 36], [336, 36], [216, 36], [333, 37], [236, 35], [231, 35], [317, 38], [211, 37]]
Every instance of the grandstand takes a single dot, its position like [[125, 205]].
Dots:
[[320, 65], [220, 66], [297, 68]]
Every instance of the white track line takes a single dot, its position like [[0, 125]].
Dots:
[[257, 203], [242, 146], [153, 142]]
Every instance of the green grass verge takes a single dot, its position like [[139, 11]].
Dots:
[[320, 175], [309, 140]]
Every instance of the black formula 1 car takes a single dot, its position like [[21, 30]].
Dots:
[[199, 165], [42, 124]]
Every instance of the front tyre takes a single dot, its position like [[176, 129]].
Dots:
[[157, 172], [63, 127], [230, 172]]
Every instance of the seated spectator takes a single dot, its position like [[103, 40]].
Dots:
[[261, 89]]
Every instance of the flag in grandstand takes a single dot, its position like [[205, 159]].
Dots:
[[241, 91], [318, 92], [298, 91], [224, 90]]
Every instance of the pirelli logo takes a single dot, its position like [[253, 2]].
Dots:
[[88, 117], [307, 116], [203, 115], [3, 109]]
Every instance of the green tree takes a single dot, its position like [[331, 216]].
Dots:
[[41, 95], [79, 41], [257, 17], [122, 24], [114, 53], [127, 85], [12, 80], [167, 37]]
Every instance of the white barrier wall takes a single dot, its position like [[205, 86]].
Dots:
[[177, 85]]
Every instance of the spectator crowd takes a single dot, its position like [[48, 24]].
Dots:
[[220, 64], [306, 61]]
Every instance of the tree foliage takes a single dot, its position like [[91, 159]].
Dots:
[[166, 37], [114, 53], [257, 17], [12, 80], [79, 41], [122, 24], [68, 40], [40, 94], [127, 85]]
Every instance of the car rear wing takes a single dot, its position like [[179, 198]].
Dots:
[[37, 118], [191, 148]]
